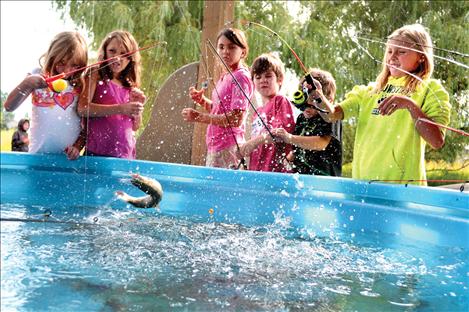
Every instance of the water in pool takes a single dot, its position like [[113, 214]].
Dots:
[[116, 260]]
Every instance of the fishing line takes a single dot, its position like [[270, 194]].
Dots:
[[249, 100], [415, 50], [416, 77], [377, 39]]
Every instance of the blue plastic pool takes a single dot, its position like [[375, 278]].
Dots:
[[225, 240]]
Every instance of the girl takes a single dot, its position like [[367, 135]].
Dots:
[[276, 112], [112, 99], [55, 125], [228, 104], [391, 134]]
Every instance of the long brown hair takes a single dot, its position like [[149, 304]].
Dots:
[[66, 46], [130, 76], [420, 40], [237, 37]]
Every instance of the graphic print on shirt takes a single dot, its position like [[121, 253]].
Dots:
[[387, 91], [48, 98]]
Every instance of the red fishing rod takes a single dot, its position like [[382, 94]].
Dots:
[[62, 75]]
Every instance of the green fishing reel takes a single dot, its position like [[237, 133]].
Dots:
[[300, 98]]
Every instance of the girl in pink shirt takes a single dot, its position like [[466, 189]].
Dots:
[[226, 110], [276, 112], [112, 100]]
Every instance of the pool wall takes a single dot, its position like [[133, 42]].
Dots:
[[319, 205]]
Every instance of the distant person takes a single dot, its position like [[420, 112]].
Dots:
[[20, 139], [267, 72], [55, 124], [225, 112], [112, 100], [317, 143], [391, 115]]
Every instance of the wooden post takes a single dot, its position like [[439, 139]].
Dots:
[[216, 15]]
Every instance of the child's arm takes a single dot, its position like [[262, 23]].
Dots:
[[198, 97], [334, 112], [233, 118], [136, 122], [430, 133], [73, 151], [23, 90], [247, 148], [314, 143], [86, 108]]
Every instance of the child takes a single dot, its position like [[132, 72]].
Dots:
[[390, 138], [55, 125], [318, 147], [228, 104], [20, 139], [267, 72], [112, 100]]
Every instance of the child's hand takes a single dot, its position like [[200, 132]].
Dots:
[[33, 82], [131, 108], [394, 102], [281, 134], [197, 95], [137, 95], [190, 114], [290, 157], [72, 152]]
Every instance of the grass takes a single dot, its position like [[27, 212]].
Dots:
[[436, 170], [6, 140]]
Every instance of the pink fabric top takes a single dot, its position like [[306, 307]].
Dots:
[[277, 113], [111, 135], [220, 138]]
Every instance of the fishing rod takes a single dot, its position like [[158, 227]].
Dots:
[[461, 188], [239, 86], [300, 97], [62, 75], [421, 80]]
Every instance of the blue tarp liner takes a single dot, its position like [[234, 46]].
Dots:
[[321, 204]]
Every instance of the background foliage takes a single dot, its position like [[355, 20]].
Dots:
[[320, 32]]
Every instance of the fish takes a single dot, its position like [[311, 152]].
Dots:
[[150, 186]]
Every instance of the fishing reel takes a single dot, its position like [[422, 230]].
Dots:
[[300, 97]]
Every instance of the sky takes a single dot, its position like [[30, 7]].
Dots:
[[27, 28]]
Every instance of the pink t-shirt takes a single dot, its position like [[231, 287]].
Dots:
[[225, 98], [111, 135], [277, 113]]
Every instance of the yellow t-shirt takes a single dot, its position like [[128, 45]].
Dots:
[[389, 147]]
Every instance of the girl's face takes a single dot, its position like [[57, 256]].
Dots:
[[113, 49], [26, 126], [229, 52], [400, 59], [267, 84], [65, 66]]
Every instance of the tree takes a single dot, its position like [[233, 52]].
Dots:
[[330, 37], [7, 118]]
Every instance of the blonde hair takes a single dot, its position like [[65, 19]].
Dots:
[[66, 46], [130, 76], [420, 40]]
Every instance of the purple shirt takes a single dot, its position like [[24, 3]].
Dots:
[[111, 135], [226, 90]]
